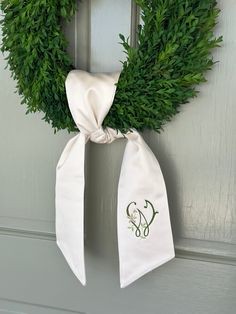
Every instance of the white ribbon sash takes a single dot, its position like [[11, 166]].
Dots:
[[143, 223]]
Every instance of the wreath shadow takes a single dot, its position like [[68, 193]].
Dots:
[[169, 172]]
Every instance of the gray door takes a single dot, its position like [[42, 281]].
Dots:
[[197, 152]]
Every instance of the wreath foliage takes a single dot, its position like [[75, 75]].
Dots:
[[160, 74]]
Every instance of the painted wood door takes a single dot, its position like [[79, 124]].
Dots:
[[197, 152]]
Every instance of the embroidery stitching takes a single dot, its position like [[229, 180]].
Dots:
[[138, 221]]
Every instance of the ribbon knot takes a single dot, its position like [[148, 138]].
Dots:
[[143, 223], [104, 136], [90, 97]]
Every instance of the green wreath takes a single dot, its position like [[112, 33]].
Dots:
[[174, 51]]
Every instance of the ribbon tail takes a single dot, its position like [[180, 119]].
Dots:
[[144, 231], [70, 205]]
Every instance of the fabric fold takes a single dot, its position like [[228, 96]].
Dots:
[[143, 223]]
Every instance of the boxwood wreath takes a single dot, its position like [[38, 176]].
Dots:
[[160, 74]]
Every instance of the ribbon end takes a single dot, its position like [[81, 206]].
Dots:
[[79, 271], [126, 282], [83, 282]]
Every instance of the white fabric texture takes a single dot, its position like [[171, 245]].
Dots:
[[143, 223]]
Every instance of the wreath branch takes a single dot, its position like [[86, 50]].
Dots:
[[173, 53]]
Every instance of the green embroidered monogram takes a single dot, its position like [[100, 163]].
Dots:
[[140, 220]]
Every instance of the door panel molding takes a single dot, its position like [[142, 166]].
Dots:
[[135, 20], [35, 272], [207, 251], [77, 33], [8, 306], [193, 249]]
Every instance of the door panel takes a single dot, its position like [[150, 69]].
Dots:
[[34, 272], [197, 153]]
